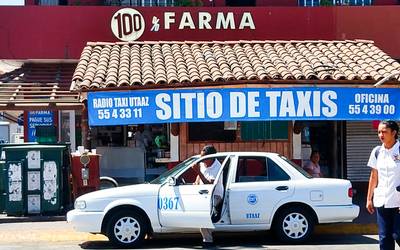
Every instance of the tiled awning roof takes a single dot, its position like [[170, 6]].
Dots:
[[38, 86], [111, 65]]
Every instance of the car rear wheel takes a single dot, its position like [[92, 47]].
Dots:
[[126, 229], [293, 225]]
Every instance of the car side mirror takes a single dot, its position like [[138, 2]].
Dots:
[[171, 181]]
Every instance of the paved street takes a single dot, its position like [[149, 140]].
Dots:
[[59, 235]]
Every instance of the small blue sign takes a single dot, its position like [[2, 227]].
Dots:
[[249, 104], [252, 199], [38, 118]]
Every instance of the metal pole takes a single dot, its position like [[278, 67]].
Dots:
[[85, 127], [382, 81]]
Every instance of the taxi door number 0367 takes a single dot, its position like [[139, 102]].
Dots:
[[168, 203]]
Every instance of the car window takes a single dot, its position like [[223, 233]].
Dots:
[[297, 167], [275, 172], [251, 169], [255, 169], [188, 177], [172, 172]]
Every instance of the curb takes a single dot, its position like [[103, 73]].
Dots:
[[14, 219], [347, 228]]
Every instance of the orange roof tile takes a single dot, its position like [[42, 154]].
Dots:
[[104, 65]]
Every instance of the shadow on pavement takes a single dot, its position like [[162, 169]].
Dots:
[[341, 239], [360, 199], [234, 240]]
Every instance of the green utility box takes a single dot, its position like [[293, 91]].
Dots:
[[4, 174], [3, 186], [37, 179]]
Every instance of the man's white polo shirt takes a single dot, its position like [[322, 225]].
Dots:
[[388, 166], [211, 174]]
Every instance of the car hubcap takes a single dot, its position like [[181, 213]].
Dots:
[[127, 229], [295, 225]]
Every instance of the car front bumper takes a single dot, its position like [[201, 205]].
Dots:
[[83, 221], [332, 214]]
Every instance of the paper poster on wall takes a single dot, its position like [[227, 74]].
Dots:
[[49, 170], [15, 172], [34, 203], [33, 180], [15, 191], [15, 181], [49, 191], [33, 159], [50, 181]]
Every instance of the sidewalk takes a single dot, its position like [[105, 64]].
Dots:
[[34, 218]]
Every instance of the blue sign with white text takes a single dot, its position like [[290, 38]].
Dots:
[[250, 104], [38, 118]]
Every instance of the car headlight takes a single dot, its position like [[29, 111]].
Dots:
[[79, 204]]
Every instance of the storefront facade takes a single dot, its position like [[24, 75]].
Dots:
[[265, 52], [263, 111]]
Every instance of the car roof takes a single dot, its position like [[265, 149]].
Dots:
[[247, 153]]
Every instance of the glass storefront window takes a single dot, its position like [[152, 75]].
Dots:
[[313, 3], [148, 3], [70, 129]]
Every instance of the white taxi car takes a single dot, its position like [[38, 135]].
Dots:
[[262, 191]]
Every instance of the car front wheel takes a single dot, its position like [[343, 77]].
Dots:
[[126, 229], [293, 225]]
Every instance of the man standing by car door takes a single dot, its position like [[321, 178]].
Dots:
[[207, 172]]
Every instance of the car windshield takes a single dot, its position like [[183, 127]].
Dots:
[[295, 166], [173, 171]]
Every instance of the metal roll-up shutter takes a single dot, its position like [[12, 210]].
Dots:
[[361, 138]]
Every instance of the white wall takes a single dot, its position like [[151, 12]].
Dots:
[[16, 133]]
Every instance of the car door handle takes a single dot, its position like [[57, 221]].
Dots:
[[203, 191], [282, 188]]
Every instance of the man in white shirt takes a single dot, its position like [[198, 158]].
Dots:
[[207, 172], [384, 180]]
